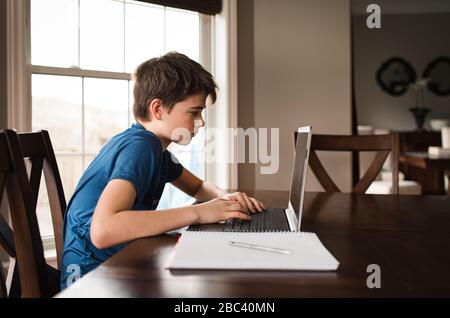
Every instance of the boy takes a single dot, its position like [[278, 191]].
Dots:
[[116, 198]]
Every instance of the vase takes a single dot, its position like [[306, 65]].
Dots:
[[419, 116]]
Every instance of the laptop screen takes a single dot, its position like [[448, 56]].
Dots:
[[299, 172]]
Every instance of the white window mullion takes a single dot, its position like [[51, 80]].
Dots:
[[164, 30], [73, 71], [205, 59], [83, 135], [79, 30], [129, 104], [124, 38], [224, 113]]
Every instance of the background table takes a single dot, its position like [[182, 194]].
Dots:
[[435, 167], [407, 236]]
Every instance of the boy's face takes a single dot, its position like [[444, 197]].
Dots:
[[183, 122]]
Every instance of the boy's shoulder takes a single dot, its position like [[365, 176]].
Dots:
[[137, 137]]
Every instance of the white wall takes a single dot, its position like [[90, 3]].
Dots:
[[301, 75]]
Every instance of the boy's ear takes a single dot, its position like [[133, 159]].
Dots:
[[155, 109]]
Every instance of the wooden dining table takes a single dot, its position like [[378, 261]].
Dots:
[[436, 167], [406, 237]]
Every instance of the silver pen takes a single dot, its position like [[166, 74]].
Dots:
[[260, 247]]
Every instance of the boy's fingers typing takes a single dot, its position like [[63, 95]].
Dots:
[[239, 215], [236, 206], [258, 204], [240, 198], [233, 207], [249, 203]]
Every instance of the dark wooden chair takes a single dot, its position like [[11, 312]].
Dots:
[[37, 149], [37, 278], [383, 144]]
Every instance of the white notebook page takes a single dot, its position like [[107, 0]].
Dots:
[[212, 250]]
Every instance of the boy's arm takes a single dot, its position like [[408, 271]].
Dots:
[[114, 222], [197, 188], [204, 191]]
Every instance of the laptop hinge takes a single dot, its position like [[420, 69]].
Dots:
[[292, 219]]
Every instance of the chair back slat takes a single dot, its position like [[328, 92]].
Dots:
[[3, 289], [322, 176], [349, 143], [372, 172], [13, 279], [35, 177], [383, 144], [56, 195], [31, 144], [57, 203]]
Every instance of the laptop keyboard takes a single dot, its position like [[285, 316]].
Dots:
[[260, 222]]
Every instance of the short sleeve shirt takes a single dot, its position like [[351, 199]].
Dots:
[[134, 155]]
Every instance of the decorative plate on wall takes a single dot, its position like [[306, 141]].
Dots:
[[395, 75], [438, 71]]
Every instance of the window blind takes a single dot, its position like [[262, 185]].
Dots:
[[203, 6]]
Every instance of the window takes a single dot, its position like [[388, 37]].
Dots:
[[83, 53]]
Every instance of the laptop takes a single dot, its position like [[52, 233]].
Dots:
[[275, 219]]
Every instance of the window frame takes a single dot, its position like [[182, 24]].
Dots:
[[205, 49], [206, 25], [218, 32]]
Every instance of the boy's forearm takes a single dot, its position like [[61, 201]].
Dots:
[[126, 226], [208, 191]]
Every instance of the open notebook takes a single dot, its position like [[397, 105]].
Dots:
[[274, 251]]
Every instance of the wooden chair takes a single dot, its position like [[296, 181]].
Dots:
[[37, 148], [37, 278], [384, 144]]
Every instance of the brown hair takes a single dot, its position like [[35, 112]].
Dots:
[[171, 78]]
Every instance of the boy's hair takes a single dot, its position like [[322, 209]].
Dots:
[[171, 78]]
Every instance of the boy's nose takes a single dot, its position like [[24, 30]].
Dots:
[[199, 123]]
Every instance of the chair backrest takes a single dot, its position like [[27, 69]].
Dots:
[[35, 274], [37, 148], [383, 144]]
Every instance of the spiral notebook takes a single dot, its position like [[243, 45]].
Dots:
[[252, 251]]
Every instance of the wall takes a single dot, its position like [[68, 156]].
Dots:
[[3, 74], [294, 70], [419, 38]]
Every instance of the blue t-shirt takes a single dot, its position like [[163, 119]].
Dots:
[[135, 155]]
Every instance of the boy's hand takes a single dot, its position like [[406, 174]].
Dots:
[[248, 203], [218, 209]]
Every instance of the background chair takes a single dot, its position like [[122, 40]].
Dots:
[[37, 278], [383, 144], [383, 183]]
